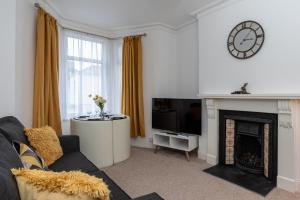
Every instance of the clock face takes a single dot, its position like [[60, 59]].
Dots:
[[246, 39]]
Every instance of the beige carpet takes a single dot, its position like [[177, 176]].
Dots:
[[171, 176]]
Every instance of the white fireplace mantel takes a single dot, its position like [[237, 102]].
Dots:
[[251, 96], [287, 106]]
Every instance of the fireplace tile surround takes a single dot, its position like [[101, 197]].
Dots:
[[287, 108]]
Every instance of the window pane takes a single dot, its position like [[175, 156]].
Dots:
[[83, 79], [84, 49], [75, 47], [99, 51], [70, 47]]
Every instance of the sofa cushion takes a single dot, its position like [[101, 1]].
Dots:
[[116, 193], [8, 156], [73, 161], [69, 143], [8, 185], [8, 159], [46, 143], [29, 158], [13, 129]]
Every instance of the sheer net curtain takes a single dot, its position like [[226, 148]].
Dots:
[[89, 65]]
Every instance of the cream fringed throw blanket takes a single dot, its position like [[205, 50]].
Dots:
[[48, 185]]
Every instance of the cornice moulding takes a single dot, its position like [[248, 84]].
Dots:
[[120, 31], [208, 6], [186, 24], [69, 24], [107, 32], [50, 9], [213, 7], [142, 29], [32, 1], [142, 26]]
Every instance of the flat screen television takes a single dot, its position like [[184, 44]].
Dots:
[[177, 115]]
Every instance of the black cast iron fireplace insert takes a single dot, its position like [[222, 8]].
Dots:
[[248, 148]]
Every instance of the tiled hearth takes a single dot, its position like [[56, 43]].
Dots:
[[275, 159]]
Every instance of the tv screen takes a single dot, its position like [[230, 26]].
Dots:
[[177, 115]]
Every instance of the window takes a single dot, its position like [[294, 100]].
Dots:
[[89, 65]]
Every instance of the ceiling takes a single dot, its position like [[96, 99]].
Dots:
[[114, 14]]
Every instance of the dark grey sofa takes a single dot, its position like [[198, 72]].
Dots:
[[12, 129]]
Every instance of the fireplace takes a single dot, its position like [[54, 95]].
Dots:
[[248, 142], [282, 150]]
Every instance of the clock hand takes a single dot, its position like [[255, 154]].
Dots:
[[247, 35], [242, 42]]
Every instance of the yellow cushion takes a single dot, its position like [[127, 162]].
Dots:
[[46, 143], [47, 185]]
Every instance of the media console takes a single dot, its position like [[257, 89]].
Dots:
[[182, 142]]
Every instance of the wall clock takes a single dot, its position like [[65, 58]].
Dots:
[[246, 39]]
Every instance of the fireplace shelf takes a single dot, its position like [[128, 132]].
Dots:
[[250, 96]]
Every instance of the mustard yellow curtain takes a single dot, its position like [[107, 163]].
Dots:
[[132, 84], [46, 109]]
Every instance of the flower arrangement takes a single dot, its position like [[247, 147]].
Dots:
[[99, 101]]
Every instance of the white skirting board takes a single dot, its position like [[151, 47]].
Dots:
[[202, 156], [298, 185], [286, 183], [211, 159]]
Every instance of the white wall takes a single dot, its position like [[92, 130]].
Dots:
[[17, 58], [7, 57], [25, 56], [275, 69], [187, 60], [160, 73]]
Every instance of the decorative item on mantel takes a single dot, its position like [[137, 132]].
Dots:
[[243, 90], [100, 102]]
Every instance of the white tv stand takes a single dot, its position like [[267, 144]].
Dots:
[[183, 142]]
